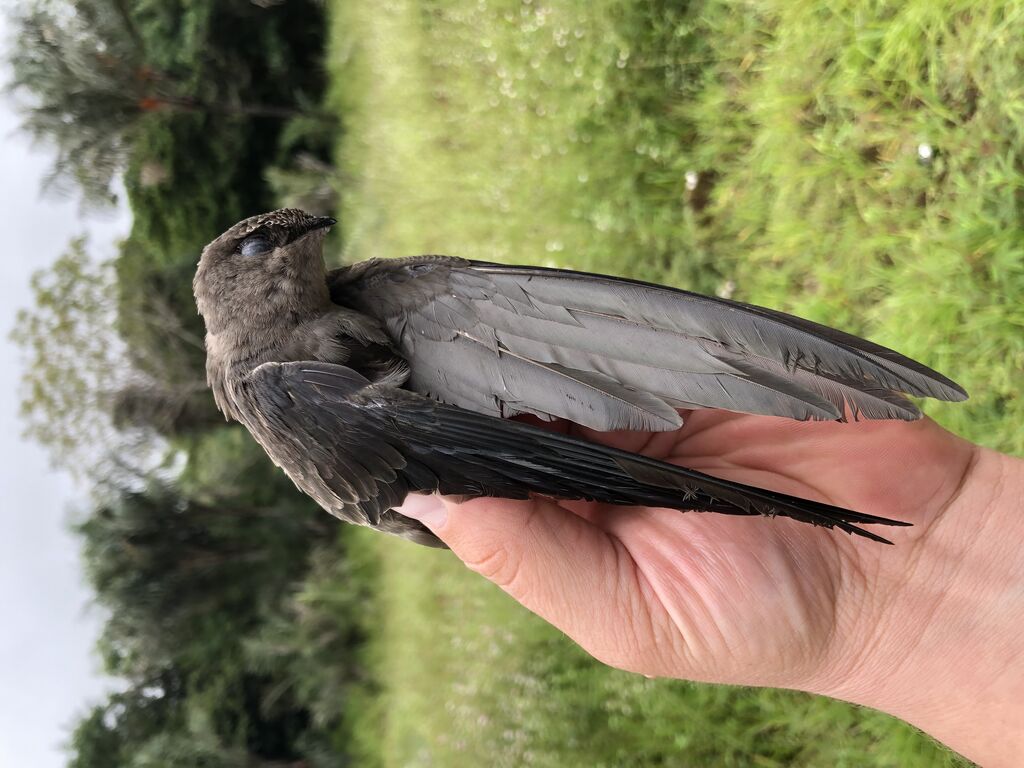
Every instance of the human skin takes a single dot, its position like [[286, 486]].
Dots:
[[930, 630]]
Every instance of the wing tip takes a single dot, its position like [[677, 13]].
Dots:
[[857, 530], [957, 394], [851, 522], [854, 530], [929, 382]]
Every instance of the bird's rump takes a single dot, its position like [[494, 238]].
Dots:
[[611, 353]]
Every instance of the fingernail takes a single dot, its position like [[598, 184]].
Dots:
[[429, 510]]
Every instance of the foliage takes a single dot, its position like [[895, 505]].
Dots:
[[767, 151], [189, 172], [188, 575], [310, 185], [84, 66], [194, 173], [110, 732], [808, 192], [71, 367], [318, 639], [196, 560], [93, 70], [154, 725], [182, 578], [79, 391]]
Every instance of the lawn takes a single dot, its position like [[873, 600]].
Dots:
[[858, 163]]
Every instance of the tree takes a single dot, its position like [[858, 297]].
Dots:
[[150, 726], [185, 578], [83, 66], [164, 410], [81, 388], [110, 732], [187, 574], [91, 78], [72, 356], [316, 641]]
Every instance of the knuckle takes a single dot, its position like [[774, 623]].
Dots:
[[499, 566]]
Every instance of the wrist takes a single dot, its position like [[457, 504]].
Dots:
[[935, 635]]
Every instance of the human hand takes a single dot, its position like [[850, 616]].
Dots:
[[775, 602]]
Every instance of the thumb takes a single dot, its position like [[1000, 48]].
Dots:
[[557, 564]]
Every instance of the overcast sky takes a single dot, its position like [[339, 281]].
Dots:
[[47, 631]]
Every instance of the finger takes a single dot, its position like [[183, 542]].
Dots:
[[557, 564]]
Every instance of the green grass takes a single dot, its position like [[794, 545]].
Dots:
[[536, 133]]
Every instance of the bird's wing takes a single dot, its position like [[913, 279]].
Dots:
[[358, 448], [611, 353]]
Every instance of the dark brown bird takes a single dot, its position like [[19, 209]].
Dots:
[[391, 376]]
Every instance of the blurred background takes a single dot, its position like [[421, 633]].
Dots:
[[857, 162]]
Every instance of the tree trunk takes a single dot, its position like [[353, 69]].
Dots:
[[249, 110]]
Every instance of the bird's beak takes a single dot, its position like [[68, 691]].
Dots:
[[322, 222], [314, 225]]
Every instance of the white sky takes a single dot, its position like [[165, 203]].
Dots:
[[47, 629]]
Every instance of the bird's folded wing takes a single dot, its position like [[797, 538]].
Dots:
[[610, 353], [358, 448]]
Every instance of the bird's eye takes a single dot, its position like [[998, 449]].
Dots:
[[256, 245]]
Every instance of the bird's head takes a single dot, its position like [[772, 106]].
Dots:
[[263, 272]]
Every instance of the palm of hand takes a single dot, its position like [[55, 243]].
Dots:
[[749, 600]]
